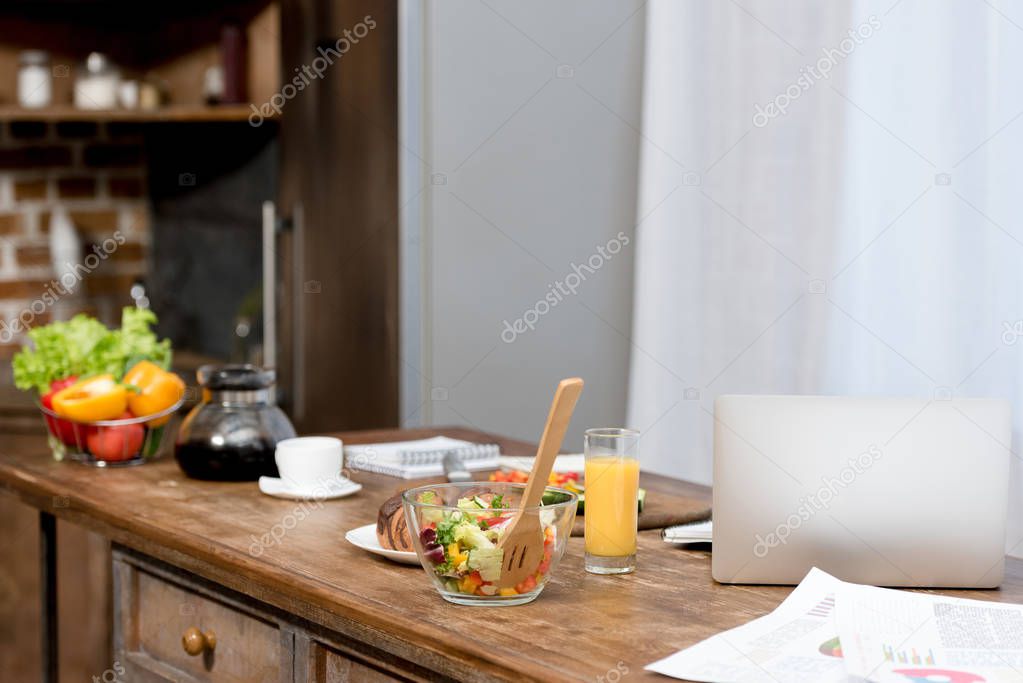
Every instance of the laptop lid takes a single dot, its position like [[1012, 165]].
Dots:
[[890, 491]]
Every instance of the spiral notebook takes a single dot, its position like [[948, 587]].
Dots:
[[694, 532], [420, 458]]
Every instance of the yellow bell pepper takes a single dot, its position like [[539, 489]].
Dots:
[[87, 400], [151, 390], [456, 555]]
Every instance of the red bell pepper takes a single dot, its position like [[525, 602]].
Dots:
[[62, 429]]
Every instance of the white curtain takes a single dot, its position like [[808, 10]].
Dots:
[[867, 240]]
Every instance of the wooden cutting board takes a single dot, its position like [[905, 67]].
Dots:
[[661, 511]]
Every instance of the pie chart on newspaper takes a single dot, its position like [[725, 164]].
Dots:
[[939, 676], [831, 648]]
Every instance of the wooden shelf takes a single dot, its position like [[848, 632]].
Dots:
[[170, 114]]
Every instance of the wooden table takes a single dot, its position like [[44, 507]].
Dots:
[[583, 627]]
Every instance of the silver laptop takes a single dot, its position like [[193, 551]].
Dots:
[[889, 492]]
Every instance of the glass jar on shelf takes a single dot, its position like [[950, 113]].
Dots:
[[96, 83], [35, 80]]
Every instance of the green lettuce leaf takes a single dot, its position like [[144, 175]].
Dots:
[[83, 346]]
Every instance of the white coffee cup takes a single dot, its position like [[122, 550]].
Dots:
[[308, 462]]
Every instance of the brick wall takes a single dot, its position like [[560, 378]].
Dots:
[[97, 172]]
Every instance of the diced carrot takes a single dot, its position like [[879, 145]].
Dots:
[[544, 566], [470, 583], [527, 584]]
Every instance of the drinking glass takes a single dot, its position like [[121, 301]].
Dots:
[[612, 487]]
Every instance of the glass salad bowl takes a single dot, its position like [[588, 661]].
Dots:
[[456, 529], [107, 443]]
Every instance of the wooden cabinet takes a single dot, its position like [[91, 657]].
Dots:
[[331, 666], [171, 626], [338, 360], [154, 610]]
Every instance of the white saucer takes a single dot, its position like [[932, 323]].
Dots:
[[335, 488], [365, 537]]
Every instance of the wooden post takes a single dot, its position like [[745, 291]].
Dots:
[[48, 593]]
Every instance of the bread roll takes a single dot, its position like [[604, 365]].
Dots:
[[392, 531]]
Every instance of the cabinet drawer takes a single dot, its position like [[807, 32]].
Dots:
[[155, 613], [331, 666]]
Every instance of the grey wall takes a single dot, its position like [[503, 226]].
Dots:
[[527, 164]]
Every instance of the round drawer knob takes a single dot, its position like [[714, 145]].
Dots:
[[195, 641]]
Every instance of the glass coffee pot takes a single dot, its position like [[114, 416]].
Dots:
[[232, 434]]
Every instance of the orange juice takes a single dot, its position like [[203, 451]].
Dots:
[[610, 513]]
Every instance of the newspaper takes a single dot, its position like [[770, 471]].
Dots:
[[892, 636], [796, 643], [832, 631]]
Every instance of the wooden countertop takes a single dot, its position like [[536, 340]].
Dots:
[[580, 628]]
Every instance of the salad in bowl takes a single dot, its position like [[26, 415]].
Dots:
[[457, 530]]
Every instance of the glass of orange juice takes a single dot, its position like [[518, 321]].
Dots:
[[611, 509]]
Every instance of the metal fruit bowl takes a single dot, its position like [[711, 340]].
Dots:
[[107, 443]]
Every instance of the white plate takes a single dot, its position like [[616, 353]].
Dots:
[[365, 537], [336, 488]]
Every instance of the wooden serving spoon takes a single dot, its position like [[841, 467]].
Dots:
[[522, 541]]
